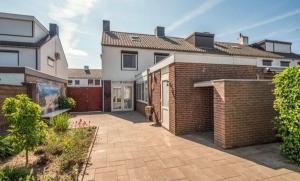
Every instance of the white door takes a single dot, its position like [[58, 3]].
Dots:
[[165, 103], [122, 97]]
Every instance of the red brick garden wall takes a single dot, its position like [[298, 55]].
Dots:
[[154, 82], [194, 106], [243, 112]]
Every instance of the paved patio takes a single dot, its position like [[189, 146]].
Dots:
[[129, 148]]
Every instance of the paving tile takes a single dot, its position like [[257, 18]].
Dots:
[[128, 148]]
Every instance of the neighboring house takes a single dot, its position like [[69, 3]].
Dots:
[[198, 84], [32, 60], [85, 86]]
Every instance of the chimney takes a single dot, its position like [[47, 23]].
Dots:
[[53, 29], [86, 67], [159, 31], [243, 40], [201, 39], [106, 25]]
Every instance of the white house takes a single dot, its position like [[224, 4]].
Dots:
[[25, 42], [127, 59]]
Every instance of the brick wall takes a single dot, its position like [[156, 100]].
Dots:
[[140, 107], [172, 102], [243, 113], [107, 95], [154, 82], [9, 91], [194, 106]]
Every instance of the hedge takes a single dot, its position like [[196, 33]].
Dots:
[[287, 104]]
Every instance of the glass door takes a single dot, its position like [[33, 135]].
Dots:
[[117, 99], [128, 97], [122, 97]]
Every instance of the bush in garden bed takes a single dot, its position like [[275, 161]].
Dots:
[[287, 103], [60, 122], [7, 147], [66, 102]]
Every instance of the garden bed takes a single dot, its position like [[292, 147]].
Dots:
[[60, 157]]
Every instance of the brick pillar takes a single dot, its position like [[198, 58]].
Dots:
[[107, 95]]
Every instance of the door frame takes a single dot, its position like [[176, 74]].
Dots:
[[164, 78], [122, 86]]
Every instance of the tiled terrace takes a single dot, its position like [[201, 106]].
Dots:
[[129, 148]]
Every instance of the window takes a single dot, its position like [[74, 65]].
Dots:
[[267, 62], [142, 91], [284, 63], [90, 82], [159, 57], [97, 81], [77, 82], [51, 62], [129, 61], [70, 82]]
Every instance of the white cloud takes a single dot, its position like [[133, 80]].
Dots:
[[262, 23], [65, 16], [202, 9]]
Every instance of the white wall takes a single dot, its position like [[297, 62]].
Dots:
[[60, 69], [83, 83], [27, 57], [111, 62], [283, 48]]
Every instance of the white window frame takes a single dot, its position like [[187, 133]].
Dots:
[[78, 82], [142, 92], [267, 60], [155, 56], [93, 82], [51, 62], [136, 61], [70, 82], [285, 62]]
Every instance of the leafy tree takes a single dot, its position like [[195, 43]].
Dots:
[[25, 127], [66, 102], [287, 103]]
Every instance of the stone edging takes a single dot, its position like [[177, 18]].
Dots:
[[81, 174]]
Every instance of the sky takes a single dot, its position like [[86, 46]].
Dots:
[[80, 21]]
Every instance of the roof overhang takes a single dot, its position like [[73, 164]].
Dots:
[[204, 84]]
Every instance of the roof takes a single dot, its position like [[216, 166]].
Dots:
[[148, 41], [82, 73], [274, 41]]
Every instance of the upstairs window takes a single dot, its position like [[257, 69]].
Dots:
[[77, 82], [90, 82], [159, 57], [129, 61], [97, 82], [70, 82], [284, 63], [267, 62]]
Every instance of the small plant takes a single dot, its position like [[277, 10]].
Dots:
[[6, 147], [16, 173], [54, 143], [60, 123], [66, 102], [287, 104], [25, 127]]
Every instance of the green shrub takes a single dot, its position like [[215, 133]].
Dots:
[[6, 147], [60, 122], [287, 104], [25, 127], [66, 102], [54, 142], [16, 173]]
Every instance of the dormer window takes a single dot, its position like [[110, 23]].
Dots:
[[284, 63], [129, 60], [135, 38], [267, 63]]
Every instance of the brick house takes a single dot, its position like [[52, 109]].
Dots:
[[200, 84]]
